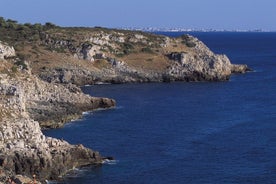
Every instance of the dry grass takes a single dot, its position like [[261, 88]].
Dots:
[[140, 55], [154, 62], [102, 64]]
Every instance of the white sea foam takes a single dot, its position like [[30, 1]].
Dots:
[[87, 113], [101, 83], [110, 162]]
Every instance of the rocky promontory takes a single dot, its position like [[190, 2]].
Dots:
[[139, 57], [98, 55]]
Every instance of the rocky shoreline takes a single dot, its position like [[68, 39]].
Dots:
[[23, 147], [49, 96]]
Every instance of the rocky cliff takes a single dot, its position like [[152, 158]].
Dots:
[[95, 55], [120, 57], [26, 101]]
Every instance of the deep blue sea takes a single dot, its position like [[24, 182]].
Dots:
[[190, 133]]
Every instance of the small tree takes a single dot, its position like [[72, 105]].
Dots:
[[11, 24], [37, 27], [2, 22], [49, 25], [29, 25]]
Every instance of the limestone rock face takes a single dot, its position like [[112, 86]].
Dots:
[[139, 57], [202, 64], [55, 104], [200, 68], [26, 104], [6, 51], [25, 150], [89, 52]]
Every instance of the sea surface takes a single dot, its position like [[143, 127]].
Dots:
[[190, 133]]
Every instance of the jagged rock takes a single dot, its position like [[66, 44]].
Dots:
[[200, 67], [54, 104], [23, 147], [6, 51], [89, 52], [239, 68]]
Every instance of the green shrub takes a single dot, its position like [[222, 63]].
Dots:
[[49, 25], [127, 46], [37, 27], [187, 40], [120, 54], [2, 22], [190, 44], [14, 69], [21, 63], [146, 50]]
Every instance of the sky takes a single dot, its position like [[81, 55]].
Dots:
[[196, 14]]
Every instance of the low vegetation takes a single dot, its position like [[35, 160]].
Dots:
[[186, 40], [51, 46]]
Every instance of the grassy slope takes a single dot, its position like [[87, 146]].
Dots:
[[29, 43]]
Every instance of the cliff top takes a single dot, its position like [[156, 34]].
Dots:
[[51, 46]]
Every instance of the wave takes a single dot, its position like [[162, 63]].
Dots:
[[110, 162], [102, 83], [87, 113]]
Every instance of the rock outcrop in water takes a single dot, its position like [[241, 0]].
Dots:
[[23, 148]]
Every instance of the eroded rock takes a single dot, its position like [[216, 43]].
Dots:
[[23, 147], [6, 51]]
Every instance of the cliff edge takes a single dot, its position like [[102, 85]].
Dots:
[[98, 55], [115, 56], [24, 99]]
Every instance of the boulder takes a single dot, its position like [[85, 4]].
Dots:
[[6, 51]]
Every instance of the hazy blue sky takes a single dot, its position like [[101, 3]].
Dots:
[[217, 14]]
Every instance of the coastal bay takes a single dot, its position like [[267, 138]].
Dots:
[[188, 132], [40, 78]]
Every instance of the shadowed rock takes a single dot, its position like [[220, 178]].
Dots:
[[23, 147]]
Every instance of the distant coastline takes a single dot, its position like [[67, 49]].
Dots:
[[153, 29]]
